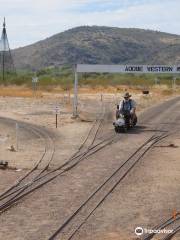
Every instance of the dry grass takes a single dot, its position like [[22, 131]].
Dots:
[[13, 91], [22, 91]]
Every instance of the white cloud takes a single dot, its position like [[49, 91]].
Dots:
[[29, 21]]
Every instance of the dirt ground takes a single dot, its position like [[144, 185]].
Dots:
[[148, 195], [145, 199], [41, 111]]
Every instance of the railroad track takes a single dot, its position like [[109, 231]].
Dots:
[[42, 164], [77, 219], [171, 235], [30, 182], [172, 223], [90, 146]]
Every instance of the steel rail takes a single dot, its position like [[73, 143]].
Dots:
[[39, 134], [171, 235], [157, 138], [40, 176], [83, 156], [161, 226], [20, 194]]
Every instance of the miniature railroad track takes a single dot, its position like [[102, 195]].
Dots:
[[171, 235], [73, 160], [31, 182], [168, 223], [90, 146], [42, 163], [77, 219]]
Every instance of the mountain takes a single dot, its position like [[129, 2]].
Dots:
[[100, 45]]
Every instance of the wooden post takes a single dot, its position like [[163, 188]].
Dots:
[[56, 120], [17, 128], [174, 83]]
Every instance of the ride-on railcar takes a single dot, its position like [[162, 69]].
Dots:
[[124, 121]]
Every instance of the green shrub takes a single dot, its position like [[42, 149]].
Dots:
[[64, 77]]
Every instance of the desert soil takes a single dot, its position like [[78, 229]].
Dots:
[[148, 195]]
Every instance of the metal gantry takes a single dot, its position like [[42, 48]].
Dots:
[[6, 61]]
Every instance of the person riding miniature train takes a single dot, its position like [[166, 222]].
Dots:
[[127, 106]]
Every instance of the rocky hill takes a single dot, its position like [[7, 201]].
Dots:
[[103, 45]]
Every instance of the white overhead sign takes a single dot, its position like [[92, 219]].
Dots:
[[88, 68]]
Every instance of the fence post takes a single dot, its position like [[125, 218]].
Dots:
[[17, 129]]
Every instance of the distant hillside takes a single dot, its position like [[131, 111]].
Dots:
[[103, 45]]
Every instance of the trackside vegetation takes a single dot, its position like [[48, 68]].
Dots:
[[64, 77]]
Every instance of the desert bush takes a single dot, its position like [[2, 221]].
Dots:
[[64, 78]]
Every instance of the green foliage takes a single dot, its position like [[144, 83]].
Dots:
[[64, 77], [20, 78], [56, 77], [143, 80]]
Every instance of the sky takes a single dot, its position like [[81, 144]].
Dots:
[[29, 21]]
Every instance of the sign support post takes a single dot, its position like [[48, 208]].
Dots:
[[75, 103], [57, 111], [34, 85]]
